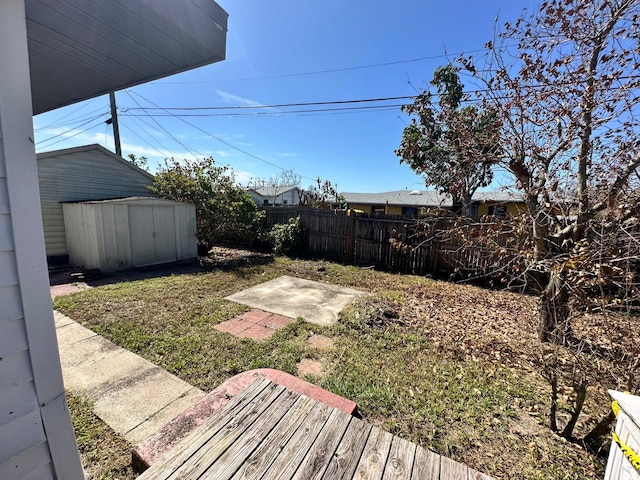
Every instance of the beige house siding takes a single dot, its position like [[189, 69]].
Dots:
[[83, 173]]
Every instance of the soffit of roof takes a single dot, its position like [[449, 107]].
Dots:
[[79, 49]]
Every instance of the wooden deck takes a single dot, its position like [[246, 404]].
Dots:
[[269, 432]]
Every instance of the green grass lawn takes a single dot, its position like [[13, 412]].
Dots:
[[449, 367]]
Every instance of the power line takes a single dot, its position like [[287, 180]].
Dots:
[[70, 130], [68, 114], [473, 92], [331, 70], [68, 136], [224, 141], [278, 105], [162, 128], [147, 142], [285, 113]]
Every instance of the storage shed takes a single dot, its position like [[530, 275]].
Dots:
[[89, 172], [130, 232]]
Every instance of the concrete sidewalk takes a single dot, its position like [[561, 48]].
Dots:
[[133, 396]]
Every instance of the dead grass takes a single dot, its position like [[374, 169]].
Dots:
[[104, 454], [454, 368]]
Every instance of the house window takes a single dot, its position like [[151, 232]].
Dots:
[[265, 202], [472, 211], [378, 209], [285, 202], [497, 210], [409, 211]]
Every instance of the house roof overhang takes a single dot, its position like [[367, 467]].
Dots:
[[79, 49]]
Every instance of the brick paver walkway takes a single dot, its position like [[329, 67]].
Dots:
[[255, 324]]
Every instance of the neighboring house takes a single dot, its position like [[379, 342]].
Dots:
[[79, 174], [55, 54], [415, 202], [398, 202], [275, 196], [496, 203]]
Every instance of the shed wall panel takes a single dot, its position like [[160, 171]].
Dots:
[[81, 175], [141, 229]]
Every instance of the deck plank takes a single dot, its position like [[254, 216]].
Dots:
[[216, 445], [344, 462], [452, 470], [317, 459], [268, 432], [261, 459], [191, 444], [299, 444], [400, 461], [426, 465], [232, 459], [374, 456]]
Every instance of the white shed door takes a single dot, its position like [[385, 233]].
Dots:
[[152, 231]]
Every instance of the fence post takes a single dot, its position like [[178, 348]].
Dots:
[[351, 238], [435, 248]]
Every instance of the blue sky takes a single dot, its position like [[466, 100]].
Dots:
[[275, 50]]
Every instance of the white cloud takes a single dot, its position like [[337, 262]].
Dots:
[[235, 99], [242, 177]]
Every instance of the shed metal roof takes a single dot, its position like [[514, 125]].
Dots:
[[79, 49]]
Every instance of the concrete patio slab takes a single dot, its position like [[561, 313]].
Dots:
[[292, 297]]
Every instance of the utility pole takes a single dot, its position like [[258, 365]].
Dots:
[[114, 122]]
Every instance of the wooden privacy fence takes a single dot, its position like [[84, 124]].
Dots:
[[408, 245]]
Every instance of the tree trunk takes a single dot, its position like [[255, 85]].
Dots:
[[554, 323], [581, 395]]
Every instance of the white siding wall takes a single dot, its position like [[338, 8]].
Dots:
[[23, 447], [23, 444], [36, 435], [81, 174]]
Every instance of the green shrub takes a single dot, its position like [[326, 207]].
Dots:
[[288, 238], [224, 210]]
